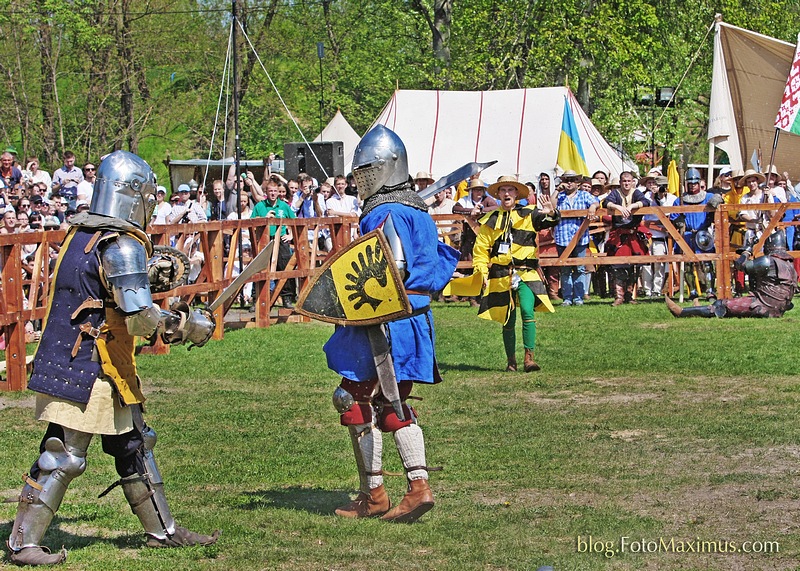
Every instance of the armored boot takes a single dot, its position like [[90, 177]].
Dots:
[[145, 495], [529, 364], [700, 311], [417, 501], [61, 462], [372, 504], [619, 291]]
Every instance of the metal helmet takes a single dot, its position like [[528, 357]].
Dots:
[[692, 176], [380, 160], [776, 243], [125, 188]]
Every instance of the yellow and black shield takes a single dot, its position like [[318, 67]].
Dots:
[[359, 285]]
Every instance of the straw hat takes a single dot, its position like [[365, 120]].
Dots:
[[613, 183], [773, 170], [570, 175], [752, 173], [509, 180], [476, 183], [422, 175]]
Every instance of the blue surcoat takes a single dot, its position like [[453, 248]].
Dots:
[[430, 265]]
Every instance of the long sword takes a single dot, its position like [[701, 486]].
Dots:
[[256, 265]]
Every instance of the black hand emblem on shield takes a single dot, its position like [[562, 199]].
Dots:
[[374, 266]]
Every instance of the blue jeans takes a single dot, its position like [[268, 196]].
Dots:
[[573, 278]]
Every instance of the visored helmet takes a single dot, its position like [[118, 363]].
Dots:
[[380, 160], [692, 176], [125, 188], [776, 243]]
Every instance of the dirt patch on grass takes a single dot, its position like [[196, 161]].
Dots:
[[27, 402]]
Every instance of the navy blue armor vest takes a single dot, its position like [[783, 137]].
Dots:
[[55, 371]]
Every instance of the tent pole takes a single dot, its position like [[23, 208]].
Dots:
[[710, 174]]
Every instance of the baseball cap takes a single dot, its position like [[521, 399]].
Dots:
[[725, 170], [184, 188], [161, 190]]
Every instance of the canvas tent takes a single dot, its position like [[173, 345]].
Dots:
[[520, 128], [338, 129], [749, 76]]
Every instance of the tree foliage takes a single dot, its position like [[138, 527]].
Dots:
[[154, 76]]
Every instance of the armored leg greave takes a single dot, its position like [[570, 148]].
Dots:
[[368, 449], [145, 494], [59, 463]]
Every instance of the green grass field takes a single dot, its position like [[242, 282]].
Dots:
[[639, 426]]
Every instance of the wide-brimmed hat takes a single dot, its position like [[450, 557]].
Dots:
[[422, 175], [570, 175], [661, 180], [509, 180], [752, 172], [613, 183], [476, 183], [774, 170]]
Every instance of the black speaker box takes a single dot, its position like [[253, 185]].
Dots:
[[299, 158]]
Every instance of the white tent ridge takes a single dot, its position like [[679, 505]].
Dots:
[[339, 129], [520, 128]]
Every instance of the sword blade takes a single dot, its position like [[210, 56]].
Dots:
[[461, 173], [257, 264], [385, 368]]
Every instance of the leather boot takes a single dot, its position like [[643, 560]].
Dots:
[[629, 295], [37, 556], [511, 367], [373, 504], [678, 311], [530, 365], [417, 501], [619, 292]]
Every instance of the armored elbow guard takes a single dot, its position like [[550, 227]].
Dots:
[[182, 324]]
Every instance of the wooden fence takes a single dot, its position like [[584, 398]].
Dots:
[[26, 278]]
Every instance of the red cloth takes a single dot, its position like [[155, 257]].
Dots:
[[628, 241]]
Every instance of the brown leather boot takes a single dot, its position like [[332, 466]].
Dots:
[[619, 298], [373, 504], [529, 364], [512, 365], [673, 307], [417, 501]]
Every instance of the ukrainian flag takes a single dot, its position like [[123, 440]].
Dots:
[[570, 151]]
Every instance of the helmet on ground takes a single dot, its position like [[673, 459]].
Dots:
[[380, 160], [125, 188], [692, 176], [776, 243]]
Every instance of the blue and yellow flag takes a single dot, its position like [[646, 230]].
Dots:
[[570, 151]]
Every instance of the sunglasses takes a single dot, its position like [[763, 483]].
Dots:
[[88, 168]]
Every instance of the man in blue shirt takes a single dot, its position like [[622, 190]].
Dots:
[[573, 278]]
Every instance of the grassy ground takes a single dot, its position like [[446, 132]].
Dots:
[[639, 426]]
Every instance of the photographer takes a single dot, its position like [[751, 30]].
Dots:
[[186, 210]]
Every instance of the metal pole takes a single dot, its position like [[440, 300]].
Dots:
[[320, 55], [237, 185]]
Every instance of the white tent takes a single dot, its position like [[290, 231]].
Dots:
[[748, 80], [520, 128], [338, 129]]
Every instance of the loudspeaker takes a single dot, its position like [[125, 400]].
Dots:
[[298, 158]]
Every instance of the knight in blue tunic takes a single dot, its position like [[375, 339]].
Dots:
[[380, 167]]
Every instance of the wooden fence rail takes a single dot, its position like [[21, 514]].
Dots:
[[27, 261]]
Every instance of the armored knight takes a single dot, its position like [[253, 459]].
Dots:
[[380, 167], [773, 282], [84, 372]]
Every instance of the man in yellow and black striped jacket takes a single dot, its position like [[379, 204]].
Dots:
[[505, 254]]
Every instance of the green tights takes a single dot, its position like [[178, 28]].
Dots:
[[525, 302]]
